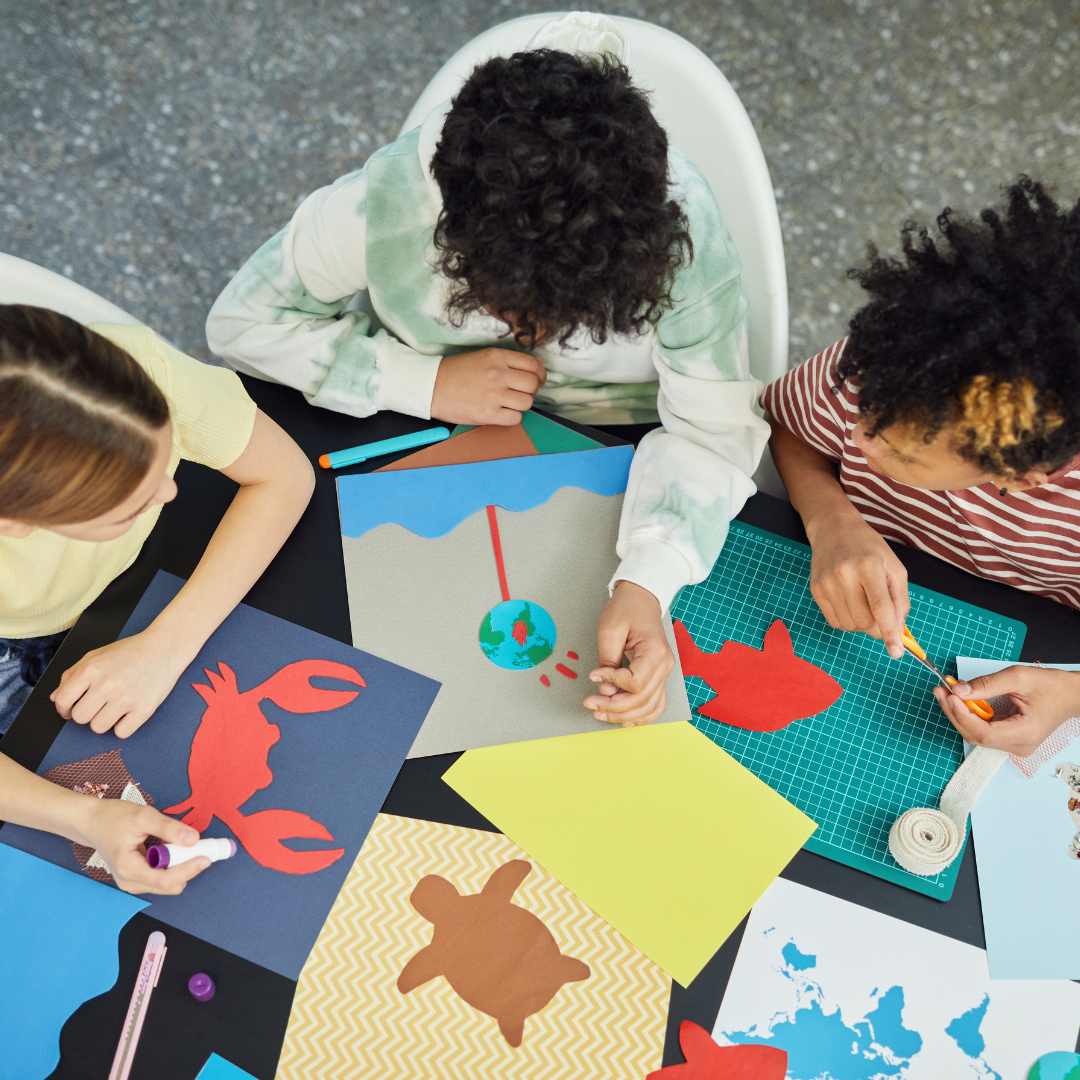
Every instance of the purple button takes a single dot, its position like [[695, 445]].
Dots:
[[201, 986]]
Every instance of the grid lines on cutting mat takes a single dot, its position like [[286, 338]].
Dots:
[[885, 746]]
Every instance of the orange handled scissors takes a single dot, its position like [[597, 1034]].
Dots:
[[976, 705]]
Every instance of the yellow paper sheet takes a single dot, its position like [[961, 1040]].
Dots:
[[656, 828], [350, 1022]]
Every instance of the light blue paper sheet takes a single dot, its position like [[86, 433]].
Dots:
[[58, 948], [1028, 884], [431, 502], [217, 1068]]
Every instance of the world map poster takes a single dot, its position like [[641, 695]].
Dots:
[[852, 994]]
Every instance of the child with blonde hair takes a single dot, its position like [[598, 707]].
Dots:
[[93, 423]]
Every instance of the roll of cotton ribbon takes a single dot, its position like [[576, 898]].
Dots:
[[925, 841]]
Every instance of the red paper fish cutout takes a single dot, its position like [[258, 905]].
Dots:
[[707, 1061], [229, 761], [758, 689]]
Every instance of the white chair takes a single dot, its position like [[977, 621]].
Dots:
[[23, 282], [704, 117]]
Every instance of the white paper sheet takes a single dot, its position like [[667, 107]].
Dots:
[[851, 993]]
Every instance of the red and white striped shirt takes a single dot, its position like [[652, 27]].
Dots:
[[1030, 539]]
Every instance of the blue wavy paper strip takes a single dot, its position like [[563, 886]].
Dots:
[[431, 502], [58, 948]]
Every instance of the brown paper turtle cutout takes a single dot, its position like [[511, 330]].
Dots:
[[498, 957]]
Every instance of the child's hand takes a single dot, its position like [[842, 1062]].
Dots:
[[119, 686], [489, 386], [859, 583], [631, 623], [118, 830], [1044, 699]]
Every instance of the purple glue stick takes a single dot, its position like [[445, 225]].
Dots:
[[162, 856]]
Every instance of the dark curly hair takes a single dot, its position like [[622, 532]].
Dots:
[[556, 206], [981, 331]]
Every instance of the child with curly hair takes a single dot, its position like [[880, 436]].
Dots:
[[949, 420], [536, 239]]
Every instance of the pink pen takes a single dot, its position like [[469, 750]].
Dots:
[[149, 973]]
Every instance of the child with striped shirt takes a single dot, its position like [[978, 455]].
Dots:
[[949, 420]]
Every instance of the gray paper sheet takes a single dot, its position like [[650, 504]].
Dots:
[[420, 603]]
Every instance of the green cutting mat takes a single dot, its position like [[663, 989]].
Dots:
[[885, 746]]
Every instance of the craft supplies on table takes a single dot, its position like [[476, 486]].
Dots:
[[884, 746], [657, 830], [603, 1013], [849, 992], [274, 733], [490, 577]]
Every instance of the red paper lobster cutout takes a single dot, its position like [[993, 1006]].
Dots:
[[758, 689], [707, 1061], [228, 762]]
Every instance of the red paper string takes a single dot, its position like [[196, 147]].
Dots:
[[496, 543]]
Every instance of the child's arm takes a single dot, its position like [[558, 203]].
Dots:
[[282, 316], [115, 828], [1044, 698], [123, 683], [690, 478], [856, 579]]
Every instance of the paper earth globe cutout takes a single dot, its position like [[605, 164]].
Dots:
[[517, 635]]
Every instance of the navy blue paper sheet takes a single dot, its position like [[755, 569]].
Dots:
[[335, 766]]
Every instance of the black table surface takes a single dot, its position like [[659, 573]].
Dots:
[[245, 1021]]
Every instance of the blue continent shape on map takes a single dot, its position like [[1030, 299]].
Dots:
[[796, 960], [819, 1043], [964, 1031]]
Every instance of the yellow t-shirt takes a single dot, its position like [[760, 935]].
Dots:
[[46, 580]]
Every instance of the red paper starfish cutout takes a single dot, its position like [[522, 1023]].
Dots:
[[758, 689], [707, 1061]]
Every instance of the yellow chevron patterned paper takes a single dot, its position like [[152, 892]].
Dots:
[[350, 1022]]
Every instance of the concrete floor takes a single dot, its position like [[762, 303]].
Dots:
[[148, 146]]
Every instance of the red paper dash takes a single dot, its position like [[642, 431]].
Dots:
[[572, 655], [496, 543], [545, 680], [562, 669]]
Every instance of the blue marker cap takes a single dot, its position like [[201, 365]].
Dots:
[[340, 458]]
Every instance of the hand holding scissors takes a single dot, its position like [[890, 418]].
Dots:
[[979, 707]]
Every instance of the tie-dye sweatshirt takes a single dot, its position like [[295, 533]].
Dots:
[[344, 304]]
